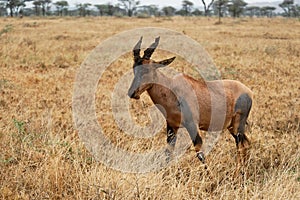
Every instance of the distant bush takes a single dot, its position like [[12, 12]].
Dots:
[[143, 15]]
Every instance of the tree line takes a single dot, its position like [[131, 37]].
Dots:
[[220, 8]]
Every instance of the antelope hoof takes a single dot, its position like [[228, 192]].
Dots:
[[200, 156]]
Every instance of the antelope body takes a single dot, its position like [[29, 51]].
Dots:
[[193, 104]]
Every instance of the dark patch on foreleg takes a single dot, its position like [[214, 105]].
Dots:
[[192, 128], [196, 139], [171, 140], [171, 136]]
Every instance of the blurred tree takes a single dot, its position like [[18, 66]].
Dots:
[[253, 11], [118, 11], [130, 6], [107, 9], [236, 7], [19, 6], [28, 11], [61, 7], [150, 10], [102, 9], [197, 12], [220, 7], [45, 6], [187, 6], [180, 12], [15, 6], [168, 10], [37, 5], [287, 6], [86, 7], [207, 6], [3, 9], [83, 9], [267, 11], [153, 10], [111, 9], [297, 8]]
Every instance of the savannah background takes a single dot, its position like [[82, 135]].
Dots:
[[42, 156]]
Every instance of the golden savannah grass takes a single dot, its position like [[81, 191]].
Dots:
[[42, 156]]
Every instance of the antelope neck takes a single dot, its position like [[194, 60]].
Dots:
[[162, 81]]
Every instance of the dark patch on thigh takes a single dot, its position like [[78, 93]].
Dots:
[[243, 104], [242, 107]]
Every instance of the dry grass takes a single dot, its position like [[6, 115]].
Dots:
[[42, 156]]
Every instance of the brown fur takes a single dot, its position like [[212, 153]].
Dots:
[[167, 99]]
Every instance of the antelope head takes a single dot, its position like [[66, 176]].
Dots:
[[144, 69]]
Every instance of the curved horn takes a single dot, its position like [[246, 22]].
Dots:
[[137, 49], [149, 51]]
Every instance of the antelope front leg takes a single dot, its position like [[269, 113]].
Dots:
[[197, 140], [188, 122], [171, 140]]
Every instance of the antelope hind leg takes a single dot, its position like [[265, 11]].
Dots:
[[242, 108]]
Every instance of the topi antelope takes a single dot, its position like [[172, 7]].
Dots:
[[193, 104]]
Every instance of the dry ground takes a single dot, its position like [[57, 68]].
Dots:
[[42, 156]]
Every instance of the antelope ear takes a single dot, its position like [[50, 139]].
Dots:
[[166, 62]]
